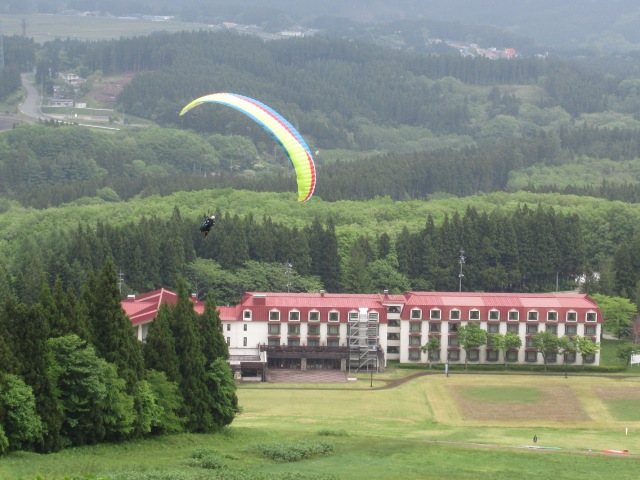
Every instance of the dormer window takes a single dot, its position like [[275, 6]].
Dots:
[[434, 314], [246, 315], [532, 316], [314, 316], [334, 316], [416, 314], [514, 316], [572, 317], [454, 314], [494, 315], [274, 316], [294, 316], [552, 316], [474, 315]]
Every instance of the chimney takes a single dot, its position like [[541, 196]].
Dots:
[[322, 292]]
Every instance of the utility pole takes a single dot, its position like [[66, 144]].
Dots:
[[288, 272], [120, 281], [460, 275], [1, 47]]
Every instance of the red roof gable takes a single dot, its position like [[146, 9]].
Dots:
[[144, 308]]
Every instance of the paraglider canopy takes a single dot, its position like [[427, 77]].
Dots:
[[280, 129]]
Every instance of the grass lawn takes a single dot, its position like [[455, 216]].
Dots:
[[429, 427]]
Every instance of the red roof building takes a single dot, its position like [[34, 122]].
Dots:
[[328, 330]]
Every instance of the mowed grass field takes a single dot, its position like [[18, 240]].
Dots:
[[43, 28], [461, 426]]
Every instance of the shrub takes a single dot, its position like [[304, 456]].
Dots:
[[291, 451]]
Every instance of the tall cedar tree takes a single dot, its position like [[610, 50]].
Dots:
[[198, 403], [214, 345], [220, 380], [160, 349], [114, 339]]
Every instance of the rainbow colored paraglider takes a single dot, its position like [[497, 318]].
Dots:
[[288, 137]]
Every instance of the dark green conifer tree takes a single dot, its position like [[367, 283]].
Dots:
[[159, 349], [114, 339], [214, 345], [198, 404]]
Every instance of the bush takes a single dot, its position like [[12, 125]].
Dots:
[[283, 452], [333, 433], [204, 457]]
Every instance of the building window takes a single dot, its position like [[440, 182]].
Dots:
[[293, 342], [589, 329], [415, 327], [454, 315], [434, 356], [313, 342], [274, 316], [531, 356], [228, 340], [333, 343], [414, 354], [434, 327], [453, 355], [513, 328], [245, 327], [393, 323], [474, 315], [494, 315], [393, 350], [512, 356], [334, 316], [393, 309], [333, 330], [493, 328], [228, 327], [294, 329], [313, 330], [393, 336], [529, 343], [274, 342], [294, 316], [570, 357], [552, 329], [474, 355], [572, 316], [591, 316], [453, 342], [354, 316], [453, 327], [570, 329], [244, 341], [552, 316], [246, 315], [434, 314], [492, 355], [314, 316], [532, 316], [416, 314], [373, 316], [414, 341], [532, 329], [273, 329], [590, 359], [552, 357], [514, 316]]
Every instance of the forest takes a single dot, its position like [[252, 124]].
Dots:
[[522, 174]]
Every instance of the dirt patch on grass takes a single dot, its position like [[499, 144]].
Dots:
[[106, 91], [554, 404], [617, 393]]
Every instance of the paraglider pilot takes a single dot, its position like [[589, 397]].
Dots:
[[207, 224]]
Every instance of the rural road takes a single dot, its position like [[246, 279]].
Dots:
[[31, 104]]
